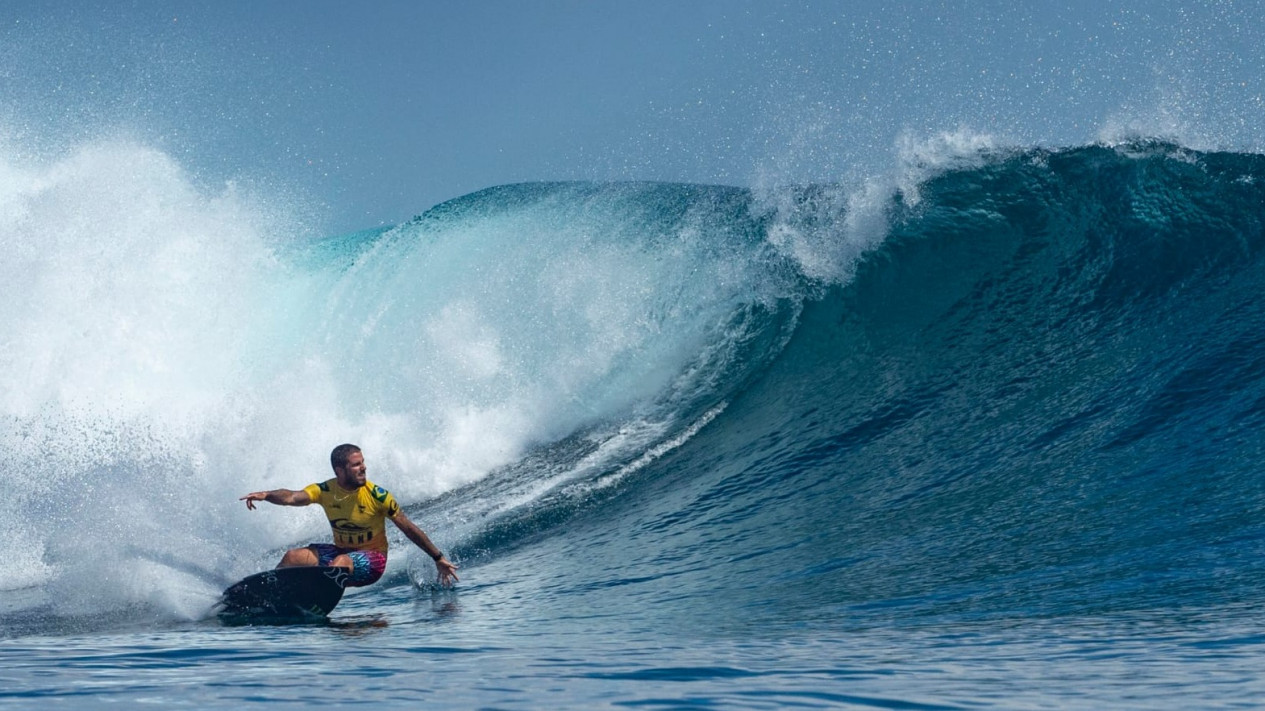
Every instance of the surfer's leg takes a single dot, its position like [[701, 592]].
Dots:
[[317, 554], [299, 557], [326, 554], [367, 567]]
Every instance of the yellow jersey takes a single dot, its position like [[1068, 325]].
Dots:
[[357, 517]]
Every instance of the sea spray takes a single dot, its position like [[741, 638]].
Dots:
[[182, 348]]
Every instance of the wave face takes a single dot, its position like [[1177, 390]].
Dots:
[[1030, 384], [1042, 395]]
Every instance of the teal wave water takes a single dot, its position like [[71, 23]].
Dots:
[[985, 434]]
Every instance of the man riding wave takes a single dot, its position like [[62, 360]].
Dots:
[[357, 510]]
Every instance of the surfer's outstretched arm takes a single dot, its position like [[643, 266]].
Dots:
[[447, 571], [280, 497]]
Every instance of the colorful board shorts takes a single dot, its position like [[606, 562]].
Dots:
[[368, 566]]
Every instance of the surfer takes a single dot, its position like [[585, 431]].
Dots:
[[357, 510]]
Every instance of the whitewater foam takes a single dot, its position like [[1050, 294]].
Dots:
[[182, 348]]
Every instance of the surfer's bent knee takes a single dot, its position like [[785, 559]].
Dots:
[[298, 557]]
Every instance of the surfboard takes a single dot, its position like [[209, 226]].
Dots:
[[299, 593]]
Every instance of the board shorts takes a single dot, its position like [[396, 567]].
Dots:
[[367, 566]]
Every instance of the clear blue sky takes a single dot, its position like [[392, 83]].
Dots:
[[375, 111]]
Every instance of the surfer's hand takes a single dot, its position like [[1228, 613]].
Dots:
[[250, 499], [447, 572]]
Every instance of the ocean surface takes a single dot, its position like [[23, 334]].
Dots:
[[985, 433]]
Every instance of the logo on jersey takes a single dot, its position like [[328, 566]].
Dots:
[[349, 535]]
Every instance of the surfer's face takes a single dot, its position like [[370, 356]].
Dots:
[[353, 475]]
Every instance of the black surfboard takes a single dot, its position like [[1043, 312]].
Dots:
[[282, 594]]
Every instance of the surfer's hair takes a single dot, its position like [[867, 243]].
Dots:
[[338, 458]]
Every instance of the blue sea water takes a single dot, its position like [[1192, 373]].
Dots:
[[984, 434]]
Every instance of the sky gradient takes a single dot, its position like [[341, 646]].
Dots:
[[369, 115]]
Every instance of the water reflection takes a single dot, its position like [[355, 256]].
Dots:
[[360, 625]]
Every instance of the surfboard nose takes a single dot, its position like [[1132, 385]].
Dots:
[[300, 593]]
